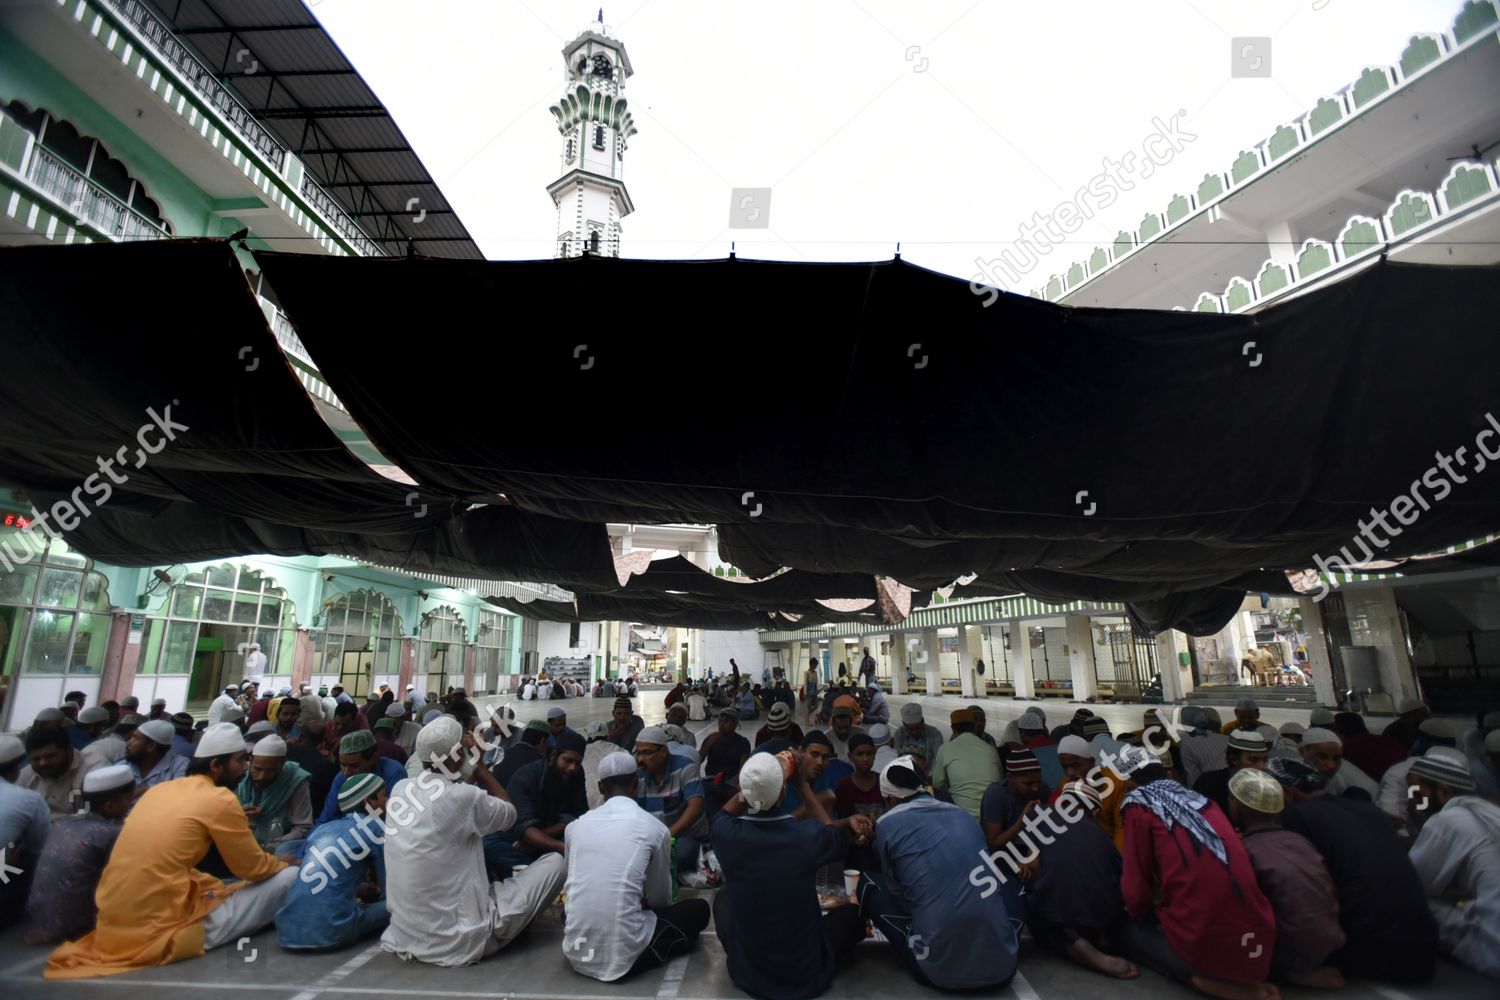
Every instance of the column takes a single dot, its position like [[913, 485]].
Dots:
[[115, 680], [1319, 663], [303, 654], [927, 659], [471, 654], [408, 652], [1169, 660], [970, 651], [898, 662], [1080, 640], [1020, 660], [1387, 636]]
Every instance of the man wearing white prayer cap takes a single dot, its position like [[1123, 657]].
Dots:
[[619, 855], [155, 906], [62, 902], [255, 665], [1324, 750], [775, 942], [276, 795], [406, 729], [222, 703], [151, 757], [448, 912]]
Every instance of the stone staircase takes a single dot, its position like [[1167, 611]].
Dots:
[[1266, 697]]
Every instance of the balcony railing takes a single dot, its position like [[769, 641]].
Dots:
[[286, 335], [202, 80], [338, 218], [89, 202]]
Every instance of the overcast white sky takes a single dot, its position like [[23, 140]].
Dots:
[[1017, 107]]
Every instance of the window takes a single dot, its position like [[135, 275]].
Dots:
[[361, 621], [220, 595], [572, 150], [53, 607], [594, 241], [496, 640], [598, 136], [442, 648]]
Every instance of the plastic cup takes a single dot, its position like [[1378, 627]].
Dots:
[[851, 881]]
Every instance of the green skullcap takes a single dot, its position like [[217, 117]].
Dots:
[[358, 741]]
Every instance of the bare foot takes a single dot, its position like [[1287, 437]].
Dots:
[[1325, 978], [1225, 989], [1085, 954]]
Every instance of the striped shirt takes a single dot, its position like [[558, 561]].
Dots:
[[666, 801]]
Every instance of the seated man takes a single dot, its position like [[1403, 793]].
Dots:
[[966, 766], [1457, 857], [337, 899], [62, 895], [916, 737], [358, 754], [1073, 902], [24, 824], [531, 747], [767, 919], [724, 752], [276, 795], [56, 770], [1292, 874], [619, 884], [1389, 932], [842, 726], [671, 790], [779, 730], [288, 711], [151, 757], [385, 740], [1247, 749], [948, 932], [1190, 888], [823, 772], [624, 725], [1324, 750], [155, 907], [444, 910], [547, 795]]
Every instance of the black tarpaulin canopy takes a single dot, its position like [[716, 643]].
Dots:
[[1166, 459]]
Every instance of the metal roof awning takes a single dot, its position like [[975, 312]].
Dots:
[[288, 71]]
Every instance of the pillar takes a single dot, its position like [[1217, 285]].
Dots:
[[927, 659], [1319, 663], [114, 681], [1080, 640], [1020, 660], [471, 654], [1174, 681], [971, 650], [898, 662], [303, 654], [408, 656], [1386, 635]]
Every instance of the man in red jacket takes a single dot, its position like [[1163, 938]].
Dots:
[[1199, 915]]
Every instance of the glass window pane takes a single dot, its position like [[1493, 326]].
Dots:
[[47, 642], [216, 606], [383, 656], [196, 576], [58, 554], [59, 588], [93, 592], [89, 644], [251, 581], [150, 646], [246, 609], [221, 576], [186, 602], [333, 654], [270, 612], [336, 618], [19, 585], [180, 648]]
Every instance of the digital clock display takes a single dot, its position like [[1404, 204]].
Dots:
[[13, 520]]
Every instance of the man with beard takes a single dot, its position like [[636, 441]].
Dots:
[[155, 907], [548, 795], [56, 770], [276, 796], [150, 755], [625, 725], [62, 899]]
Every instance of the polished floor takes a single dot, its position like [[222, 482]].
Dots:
[[534, 966]]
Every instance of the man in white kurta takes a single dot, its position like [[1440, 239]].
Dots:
[[444, 909], [221, 704], [1457, 857]]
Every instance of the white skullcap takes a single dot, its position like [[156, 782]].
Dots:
[[158, 731], [263, 726], [159, 701], [615, 765], [11, 750], [221, 738], [438, 738], [285, 691], [411, 687], [107, 779], [1320, 717], [556, 713], [653, 736], [761, 781], [880, 734], [1031, 720], [306, 689], [1292, 729], [93, 714], [270, 746], [890, 788], [1320, 735], [1075, 745], [49, 715], [397, 710]]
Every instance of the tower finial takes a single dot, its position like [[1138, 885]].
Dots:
[[601, 15]]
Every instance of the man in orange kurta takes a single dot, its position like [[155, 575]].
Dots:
[[152, 901]]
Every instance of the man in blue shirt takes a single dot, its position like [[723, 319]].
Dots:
[[744, 703], [777, 944], [358, 755], [951, 931], [671, 790], [557, 724], [337, 897], [548, 794], [823, 771]]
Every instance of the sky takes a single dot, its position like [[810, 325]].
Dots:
[[944, 126]]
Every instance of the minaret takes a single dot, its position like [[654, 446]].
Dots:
[[595, 124]]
